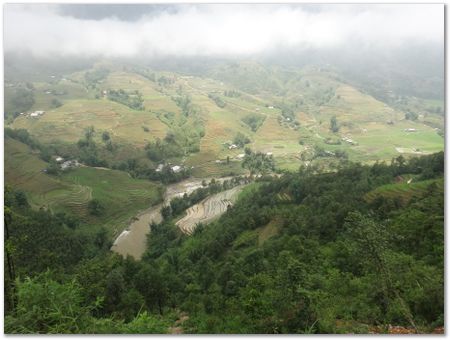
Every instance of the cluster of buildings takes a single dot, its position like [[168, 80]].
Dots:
[[349, 140], [65, 165], [174, 168]]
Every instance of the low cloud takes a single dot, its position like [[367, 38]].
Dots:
[[215, 30]]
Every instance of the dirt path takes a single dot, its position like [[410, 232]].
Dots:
[[133, 240], [177, 327], [208, 209]]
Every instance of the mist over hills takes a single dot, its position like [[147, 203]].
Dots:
[[222, 169]]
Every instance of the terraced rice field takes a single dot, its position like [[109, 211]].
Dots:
[[132, 241], [208, 209], [284, 197], [360, 116], [75, 199], [404, 191], [121, 195]]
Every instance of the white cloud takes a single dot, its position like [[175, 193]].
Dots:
[[220, 29]]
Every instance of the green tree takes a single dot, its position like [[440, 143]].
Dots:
[[258, 163], [240, 140], [95, 207], [151, 285], [334, 126], [89, 133], [46, 306], [372, 241], [105, 136], [56, 103], [411, 116], [53, 168]]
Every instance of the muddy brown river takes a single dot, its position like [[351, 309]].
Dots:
[[133, 240]]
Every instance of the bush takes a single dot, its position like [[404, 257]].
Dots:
[[254, 121], [55, 103], [240, 140], [132, 100], [95, 207]]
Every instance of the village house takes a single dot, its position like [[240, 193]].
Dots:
[[70, 164], [349, 140], [36, 114], [176, 168]]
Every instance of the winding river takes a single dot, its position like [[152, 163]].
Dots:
[[132, 241]]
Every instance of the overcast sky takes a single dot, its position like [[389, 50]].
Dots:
[[214, 30]]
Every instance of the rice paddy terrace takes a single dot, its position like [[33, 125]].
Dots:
[[208, 209], [219, 107], [122, 196], [405, 190]]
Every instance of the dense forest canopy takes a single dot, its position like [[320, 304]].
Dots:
[[305, 253]]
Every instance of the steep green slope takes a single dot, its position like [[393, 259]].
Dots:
[[304, 253], [120, 195]]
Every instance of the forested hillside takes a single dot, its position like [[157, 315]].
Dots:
[[353, 250]]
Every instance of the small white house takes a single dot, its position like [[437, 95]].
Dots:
[[36, 114], [176, 168], [349, 140], [240, 156], [159, 167], [232, 146], [59, 159]]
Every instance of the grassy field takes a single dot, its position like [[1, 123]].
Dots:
[[121, 195], [68, 122], [315, 96]]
